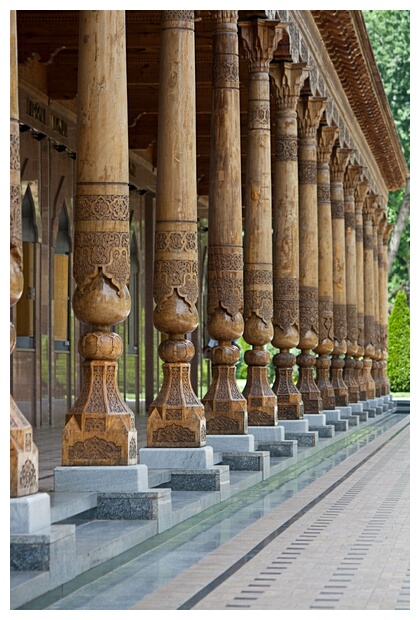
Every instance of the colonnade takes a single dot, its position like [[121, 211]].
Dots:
[[309, 271]]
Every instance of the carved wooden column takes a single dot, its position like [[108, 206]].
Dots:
[[287, 80], [360, 194], [224, 406], [259, 38], [176, 417], [326, 139], [351, 178], [339, 160], [368, 209], [310, 110], [384, 306], [23, 451], [376, 221], [100, 427]]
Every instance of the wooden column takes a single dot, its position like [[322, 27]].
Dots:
[[23, 451], [368, 209], [259, 38], [382, 303], [376, 222], [339, 160], [310, 110], [384, 306], [176, 417], [100, 426], [326, 139], [351, 178], [287, 81], [360, 194], [224, 406]]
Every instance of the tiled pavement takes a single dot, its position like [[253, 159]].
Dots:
[[341, 543]]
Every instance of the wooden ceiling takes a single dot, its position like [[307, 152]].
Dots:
[[49, 40]]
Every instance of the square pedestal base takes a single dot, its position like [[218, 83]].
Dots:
[[105, 479], [177, 458]]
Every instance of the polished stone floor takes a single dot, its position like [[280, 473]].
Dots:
[[330, 533]]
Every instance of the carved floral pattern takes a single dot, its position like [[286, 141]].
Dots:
[[113, 208], [27, 475], [105, 251], [337, 209], [307, 172], [176, 275], [286, 148]]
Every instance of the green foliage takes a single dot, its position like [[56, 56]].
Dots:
[[399, 345], [389, 34]]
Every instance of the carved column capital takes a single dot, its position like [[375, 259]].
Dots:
[[287, 80], [260, 38], [352, 176], [339, 160], [326, 140], [226, 17], [360, 192], [309, 111]]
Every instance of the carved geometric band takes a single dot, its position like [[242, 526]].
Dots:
[[177, 16], [307, 172], [324, 193], [308, 308], [286, 148], [114, 208], [369, 329], [179, 275], [367, 241], [14, 151], [177, 242], [350, 220], [109, 251], [220, 261], [225, 289], [226, 71], [352, 329], [286, 314], [340, 321], [261, 303], [259, 116], [261, 276], [359, 234], [286, 289], [15, 216], [337, 209]]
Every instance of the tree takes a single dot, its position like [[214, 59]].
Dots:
[[389, 34], [398, 369]]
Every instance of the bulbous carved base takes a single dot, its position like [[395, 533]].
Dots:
[[225, 407], [311, 396], [176, 416], [358, 373], [368, 379], [323, 382], [260, 398], [23, 455], [350, 379], [337, 381], [289, 400], [100, 427]]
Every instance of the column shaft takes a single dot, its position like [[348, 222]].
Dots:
[[23, 451], [310, 110], [326, 139], [287, 80], [384, 306], [100, 426], [176, 416], [224, 406]]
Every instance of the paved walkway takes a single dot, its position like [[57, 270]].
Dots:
[[341, 543]]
